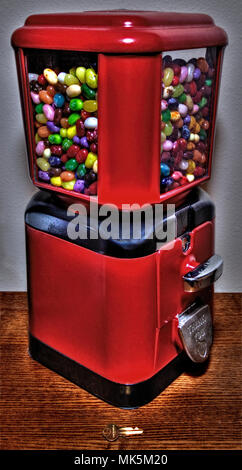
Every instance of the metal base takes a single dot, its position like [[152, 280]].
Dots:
[[120, 395]]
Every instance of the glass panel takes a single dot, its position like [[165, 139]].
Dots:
[[63, 89], [188, 86]]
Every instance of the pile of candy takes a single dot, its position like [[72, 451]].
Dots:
[[185, 113], [65, 112]]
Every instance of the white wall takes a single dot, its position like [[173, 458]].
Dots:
[[225, 185]]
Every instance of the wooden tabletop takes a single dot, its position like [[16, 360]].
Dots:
[[41, 410]]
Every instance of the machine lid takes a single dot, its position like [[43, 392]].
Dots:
[[48, 213], [119, 31]]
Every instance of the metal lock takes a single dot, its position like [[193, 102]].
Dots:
[[196, 331]]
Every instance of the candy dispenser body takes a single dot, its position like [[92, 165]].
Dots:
[[119, 109], [106, 316]]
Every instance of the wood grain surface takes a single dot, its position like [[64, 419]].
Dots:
[[41, 410]]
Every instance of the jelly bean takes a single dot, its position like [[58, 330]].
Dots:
[[54, 171], [177, 175], [166, 115], [202, 64], [92, 190], [90, 177], [81, 155], [70, 80], [47, 153], [182, 98], [172, 103], [185, 132], [88, 92], [40, 147], [91, 78], [81, 170], [187, 119], [50, 76], [175, 116], [208, 82], [41, 79], [56, 180], [76, 140], [43, 164], [73, 118], [195, 109], [91, 123], [49, 112], [68, 185], [72, 71], [164, 105], [73, 91], [72, 151], [189, 102], [43, 132], [45, 97], [79, 186], [52, 128], [168, 76], [203, 102], [67, 175], [175, 81], [197, 73], [190, 177], [182, 109], [63, 133], [81, 74], [66, 144], [64, 122], [55, 161], [191, 166], [44, 175], [55, 139], [84, 142], [57, 116], [167, 145], [183, 165], [76, 104], [91, 158], [169, 91], [90, 106], [163, 137], [190, 72], [56, 150], [51, 90], [61, 77], [59, 100], [193, 88], [39, 108], [95, 166], [32, 76], [41, 118], [71, 131], [71, 165], [165, 169], [168, 129], [37, 138], [35, 97], [80, 128], [178, 90], [183, 74]]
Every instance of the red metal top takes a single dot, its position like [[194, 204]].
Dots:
[[119, 31]]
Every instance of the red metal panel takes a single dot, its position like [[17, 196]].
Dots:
[[98, 310], [129, 129]]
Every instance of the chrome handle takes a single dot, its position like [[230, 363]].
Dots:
[[203, 275]]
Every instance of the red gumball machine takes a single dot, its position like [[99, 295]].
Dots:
[[119, 110]]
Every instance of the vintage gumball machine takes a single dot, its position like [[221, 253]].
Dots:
[[119, 110]]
